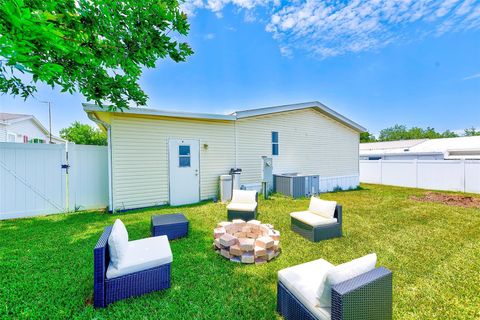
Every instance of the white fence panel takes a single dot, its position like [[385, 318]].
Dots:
[[451, 175], [371, 172], [441, 175], [472, 176], [32, 181], [89, 172], [398, 173]]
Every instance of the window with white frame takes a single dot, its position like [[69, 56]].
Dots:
[[274, 143]]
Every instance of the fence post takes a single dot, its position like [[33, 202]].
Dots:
[[381, 171], [67, 180], [415, 163], [464, 175]]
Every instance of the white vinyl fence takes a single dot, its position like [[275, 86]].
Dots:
[[452, 175], [33, 182]]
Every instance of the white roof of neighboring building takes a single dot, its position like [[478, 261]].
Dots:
[[385, 145], [10, 118], [13, 117], [237, 114], [451, 148]]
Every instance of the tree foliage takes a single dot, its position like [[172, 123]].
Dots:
[[95, 47], [470, 132], [84, 134], [367, 137], [401, 132]]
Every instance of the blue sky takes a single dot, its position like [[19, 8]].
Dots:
[[377, 62]]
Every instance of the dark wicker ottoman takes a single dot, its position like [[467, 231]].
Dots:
[[172, 225]]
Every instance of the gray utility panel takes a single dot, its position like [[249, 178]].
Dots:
[[296, 185]]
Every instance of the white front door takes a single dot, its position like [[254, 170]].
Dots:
[[184, 162]]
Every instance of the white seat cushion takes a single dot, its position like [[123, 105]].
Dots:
[[244, 196], [303, 281], [341, 273], [312, 219], [242, 206], [142, 255], [323, 208], [118, 242]]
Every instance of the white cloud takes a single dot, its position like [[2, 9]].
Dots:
[[329, 28], [473, 76], [209, 36], [216, 6], [286, 51]]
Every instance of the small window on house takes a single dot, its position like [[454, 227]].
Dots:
[[184, 156], [374, 158], [11, 137], [274, 143]]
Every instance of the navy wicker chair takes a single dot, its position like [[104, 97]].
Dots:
[[124, 284], [367, 296]]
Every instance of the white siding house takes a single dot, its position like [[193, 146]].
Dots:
[[24, 128], [160, 157]]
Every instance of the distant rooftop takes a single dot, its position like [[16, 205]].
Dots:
[[12, 116], [451, 148], [385, 145]]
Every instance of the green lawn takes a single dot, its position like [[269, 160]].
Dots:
[[433, 250]]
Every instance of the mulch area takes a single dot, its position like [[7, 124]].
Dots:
[[449, 199]]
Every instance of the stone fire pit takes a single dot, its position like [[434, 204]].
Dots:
[[246, 242]]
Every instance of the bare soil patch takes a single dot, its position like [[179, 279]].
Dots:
[[449, 199]]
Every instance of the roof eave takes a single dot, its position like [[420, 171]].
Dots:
[[407, 153], [87, 107], [15, 120]]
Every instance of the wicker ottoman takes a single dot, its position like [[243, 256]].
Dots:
[[172, 225]]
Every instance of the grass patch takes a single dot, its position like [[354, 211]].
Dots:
[[433, 249]]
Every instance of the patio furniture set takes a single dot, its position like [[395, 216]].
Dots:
[[314, 290]]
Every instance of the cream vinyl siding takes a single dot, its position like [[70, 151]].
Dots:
[[309, 142], [140, 156]]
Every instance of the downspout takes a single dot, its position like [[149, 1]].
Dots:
[[236, 142], [107, 126]]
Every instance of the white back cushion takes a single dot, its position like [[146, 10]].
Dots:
[[343, 272], [118, 243], [244, 196], [322, 208]]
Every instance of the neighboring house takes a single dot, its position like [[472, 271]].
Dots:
[[24, 128], [159, 157], [423, 149]]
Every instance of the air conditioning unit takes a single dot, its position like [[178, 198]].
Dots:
[[296, 185]]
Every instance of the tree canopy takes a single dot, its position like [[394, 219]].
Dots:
[[84, 134], [95, 47], [367, 137], [401, 132], [470, 132]]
